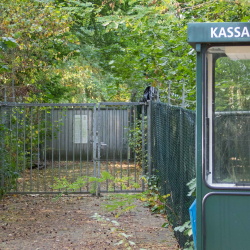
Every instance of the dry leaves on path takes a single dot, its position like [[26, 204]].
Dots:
[[37, 222]]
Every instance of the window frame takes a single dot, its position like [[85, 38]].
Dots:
[[208, 121]]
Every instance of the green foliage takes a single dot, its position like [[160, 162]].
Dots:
[[134, 136], [192, 187], [8, 172], [105, 50], [152, 197], [5, 44], [152, 181], [63, 183], [186, 228], [141, 43], [107, 222], [121, 203], [41, 32], [22, 130]]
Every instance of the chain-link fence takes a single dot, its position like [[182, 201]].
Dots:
[[173, 159]]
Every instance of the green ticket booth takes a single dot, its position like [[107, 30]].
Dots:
[[222, 134]]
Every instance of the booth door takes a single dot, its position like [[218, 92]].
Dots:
[[226, 209]]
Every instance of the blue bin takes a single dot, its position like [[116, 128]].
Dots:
[[192, 212]]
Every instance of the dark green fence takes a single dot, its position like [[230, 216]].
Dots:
[[173, 159]]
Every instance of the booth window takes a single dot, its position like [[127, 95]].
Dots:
[[227, 116]]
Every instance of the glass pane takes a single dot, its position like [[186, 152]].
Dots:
[[231, 115]]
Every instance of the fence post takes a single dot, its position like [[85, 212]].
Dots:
[[158, 93], [169, 93], [98, 190], [143, 146], [94, 139], [149, 134], [13, 84], [181, 160], [183, 94], [2, 153], [5, 94]]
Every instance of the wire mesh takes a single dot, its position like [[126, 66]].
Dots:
[[173, 159]]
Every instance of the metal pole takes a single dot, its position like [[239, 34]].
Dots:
[[181, 167], [59, 119], [108, 141], [183, 95], [38, 144], [80, 148], [143, 149], [2, 149], [135, 140], [128, 131], [80, 142], [94, 139], [113, 141], [5, 95], [24, 139], [121, 138], [149, 139], [99, 149], [74, 139], [52, 150], [67, 139], [45, 150], [88, 146], [13, 84], [31, 142], [17, 140], [169, 92], [158, 92]]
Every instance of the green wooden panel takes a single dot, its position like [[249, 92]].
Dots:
[[227, 224]]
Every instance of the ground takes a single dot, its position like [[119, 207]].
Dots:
[[36, 222]]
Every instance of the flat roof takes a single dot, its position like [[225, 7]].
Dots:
[[218, 32]]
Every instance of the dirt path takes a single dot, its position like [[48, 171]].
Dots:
[[38, 222]]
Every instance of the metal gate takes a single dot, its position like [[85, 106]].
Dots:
[[121, 143], [41, 142]]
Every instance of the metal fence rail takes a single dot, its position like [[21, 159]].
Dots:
[[37, 139], [119, 142]]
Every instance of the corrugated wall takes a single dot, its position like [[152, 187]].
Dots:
[[66, 129]]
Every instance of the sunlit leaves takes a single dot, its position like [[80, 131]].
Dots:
[[40, 30]]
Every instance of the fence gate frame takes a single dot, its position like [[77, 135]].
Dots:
[[100, 143], [4, 109], [11, 109]]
